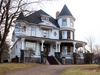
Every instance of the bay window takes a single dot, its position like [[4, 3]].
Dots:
[[64, 34]]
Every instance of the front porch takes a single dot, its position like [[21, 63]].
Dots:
[[66, 48]]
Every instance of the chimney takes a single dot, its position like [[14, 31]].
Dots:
[[57, 14]]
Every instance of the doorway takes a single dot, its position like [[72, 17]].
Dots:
[[46, 49]]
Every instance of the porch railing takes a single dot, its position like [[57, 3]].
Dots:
[[57, 55]]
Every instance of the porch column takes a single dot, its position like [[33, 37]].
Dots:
[[42, 45], [56, 46], [23, 43], [59, 47], [23, 46], [74, 46], [83, 47]]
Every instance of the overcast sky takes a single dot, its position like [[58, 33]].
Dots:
[[86, 12]]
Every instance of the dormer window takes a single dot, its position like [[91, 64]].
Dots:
[[64, 22], [44, 17]]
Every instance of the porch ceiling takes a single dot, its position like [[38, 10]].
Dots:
[[48, 40]]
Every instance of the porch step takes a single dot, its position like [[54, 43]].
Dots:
[[52, 60]]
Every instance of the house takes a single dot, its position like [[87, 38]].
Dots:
[[46, 36]]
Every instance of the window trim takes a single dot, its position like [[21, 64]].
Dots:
[[66, 22], [35, 31]]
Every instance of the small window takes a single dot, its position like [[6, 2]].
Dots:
[[64, 22], [33, 31], [24, 28]]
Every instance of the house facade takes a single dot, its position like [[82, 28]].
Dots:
[[42, 33]]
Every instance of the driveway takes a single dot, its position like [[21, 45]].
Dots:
[[44, 70]]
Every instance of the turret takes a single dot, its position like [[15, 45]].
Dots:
[[66, 23]]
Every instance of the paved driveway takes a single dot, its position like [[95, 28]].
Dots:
[[44, 70]]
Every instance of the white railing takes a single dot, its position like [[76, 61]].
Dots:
[[69, 54]]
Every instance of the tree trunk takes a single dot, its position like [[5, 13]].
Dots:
[[0, 56]]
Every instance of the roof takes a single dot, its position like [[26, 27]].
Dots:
[[21, 16], [65, 11], [35, 18]]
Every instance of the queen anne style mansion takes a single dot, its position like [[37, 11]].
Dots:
[[46, 36]]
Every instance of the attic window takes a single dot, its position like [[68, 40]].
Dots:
[[45, 18]]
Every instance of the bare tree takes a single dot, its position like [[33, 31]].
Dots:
[[90, 40], [29, 53], [9, 10]]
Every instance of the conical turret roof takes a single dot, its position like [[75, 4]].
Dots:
[[65, 12]]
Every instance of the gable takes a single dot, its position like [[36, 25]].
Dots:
[[47, 23], [36, 18]]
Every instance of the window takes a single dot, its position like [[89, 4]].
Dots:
[[64, 34], [33, 31], [45, 18], [17, 27], [45, 33], [30, 45], [71, 35], [64, 23], [64, 49], [71, 23], [24, 28]]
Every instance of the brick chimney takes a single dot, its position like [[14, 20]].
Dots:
[[57, 14]]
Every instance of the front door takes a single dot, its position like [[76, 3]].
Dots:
[[46, 50]]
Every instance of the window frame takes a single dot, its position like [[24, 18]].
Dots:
[[62, 22], [32, 46], [64, 35], [42, 33], [35, 31]]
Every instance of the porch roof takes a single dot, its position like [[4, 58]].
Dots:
[[78, 43]]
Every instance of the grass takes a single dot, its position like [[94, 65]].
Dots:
[[77, 71], [10, 67]]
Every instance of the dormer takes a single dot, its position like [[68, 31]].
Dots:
[[44, 17], [65, 18]]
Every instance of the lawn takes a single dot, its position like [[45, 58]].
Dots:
[[81, 71], [10, 67]]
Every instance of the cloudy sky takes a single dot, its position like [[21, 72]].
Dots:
[[86, 12]]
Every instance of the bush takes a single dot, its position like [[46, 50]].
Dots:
[[88, 58]]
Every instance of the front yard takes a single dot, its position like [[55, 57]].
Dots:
[[88, 70], [10, 67]]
